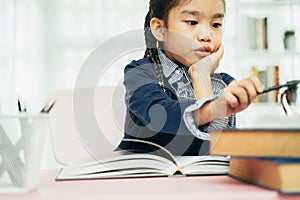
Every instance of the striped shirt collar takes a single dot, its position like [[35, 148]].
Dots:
[[177, 77], [168, 66]]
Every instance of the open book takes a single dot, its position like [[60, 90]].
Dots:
[[159, 162]]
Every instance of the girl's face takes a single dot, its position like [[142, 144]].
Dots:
[[194, 30]]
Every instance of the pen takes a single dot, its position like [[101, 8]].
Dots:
[[289, 84], [20, 106], [46, 108]]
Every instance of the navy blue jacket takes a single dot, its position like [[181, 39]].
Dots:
[[156, 116]]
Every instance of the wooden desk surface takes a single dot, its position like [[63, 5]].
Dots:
[[197, 187]]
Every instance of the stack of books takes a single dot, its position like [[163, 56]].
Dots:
[[265, 157]]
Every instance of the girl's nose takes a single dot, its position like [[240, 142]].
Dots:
[[204, 34]]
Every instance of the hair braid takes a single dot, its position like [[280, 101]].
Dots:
[[152, 50]]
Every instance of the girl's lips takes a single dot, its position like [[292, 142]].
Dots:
[[202, 53]]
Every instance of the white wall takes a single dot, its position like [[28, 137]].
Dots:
[[44, 43]]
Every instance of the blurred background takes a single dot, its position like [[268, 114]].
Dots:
[[44, 43]]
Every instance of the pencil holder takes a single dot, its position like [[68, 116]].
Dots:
[[21, 151]]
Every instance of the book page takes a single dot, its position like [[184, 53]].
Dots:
[[122, 162], [203, 165]]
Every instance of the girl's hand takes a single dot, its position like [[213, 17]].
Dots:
[[200, 73], [237, 96], [209, 64]]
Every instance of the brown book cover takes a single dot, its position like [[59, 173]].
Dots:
[[280, 174], [256, 142]]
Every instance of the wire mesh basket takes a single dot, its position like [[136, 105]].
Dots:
[[21, 151]]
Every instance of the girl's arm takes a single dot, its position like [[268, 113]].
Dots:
[[237, 96]]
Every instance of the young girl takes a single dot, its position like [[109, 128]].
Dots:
[[173, 95]]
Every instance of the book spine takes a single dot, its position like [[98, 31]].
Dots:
[[277, 81], [251, 33], [272, 79], [263, 80], [261, 33], [255, 72]]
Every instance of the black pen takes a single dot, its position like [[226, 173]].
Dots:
[[20, 106], [47, 108], [289, 84]]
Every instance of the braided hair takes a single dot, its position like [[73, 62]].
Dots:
[[159, 9]]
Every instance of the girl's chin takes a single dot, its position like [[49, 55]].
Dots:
[[187, 61]]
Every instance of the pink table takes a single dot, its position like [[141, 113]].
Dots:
[[200, 187]]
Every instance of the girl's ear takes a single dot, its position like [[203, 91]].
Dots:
[[157, 28]]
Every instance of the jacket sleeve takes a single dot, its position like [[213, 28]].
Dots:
[[201, 132]]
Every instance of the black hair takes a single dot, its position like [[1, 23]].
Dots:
[[159, 9]]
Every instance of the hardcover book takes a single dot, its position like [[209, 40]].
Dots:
[[256, 142], [281, 174]]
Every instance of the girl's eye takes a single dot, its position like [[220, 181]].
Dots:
[[217, 25], [191, 22]]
